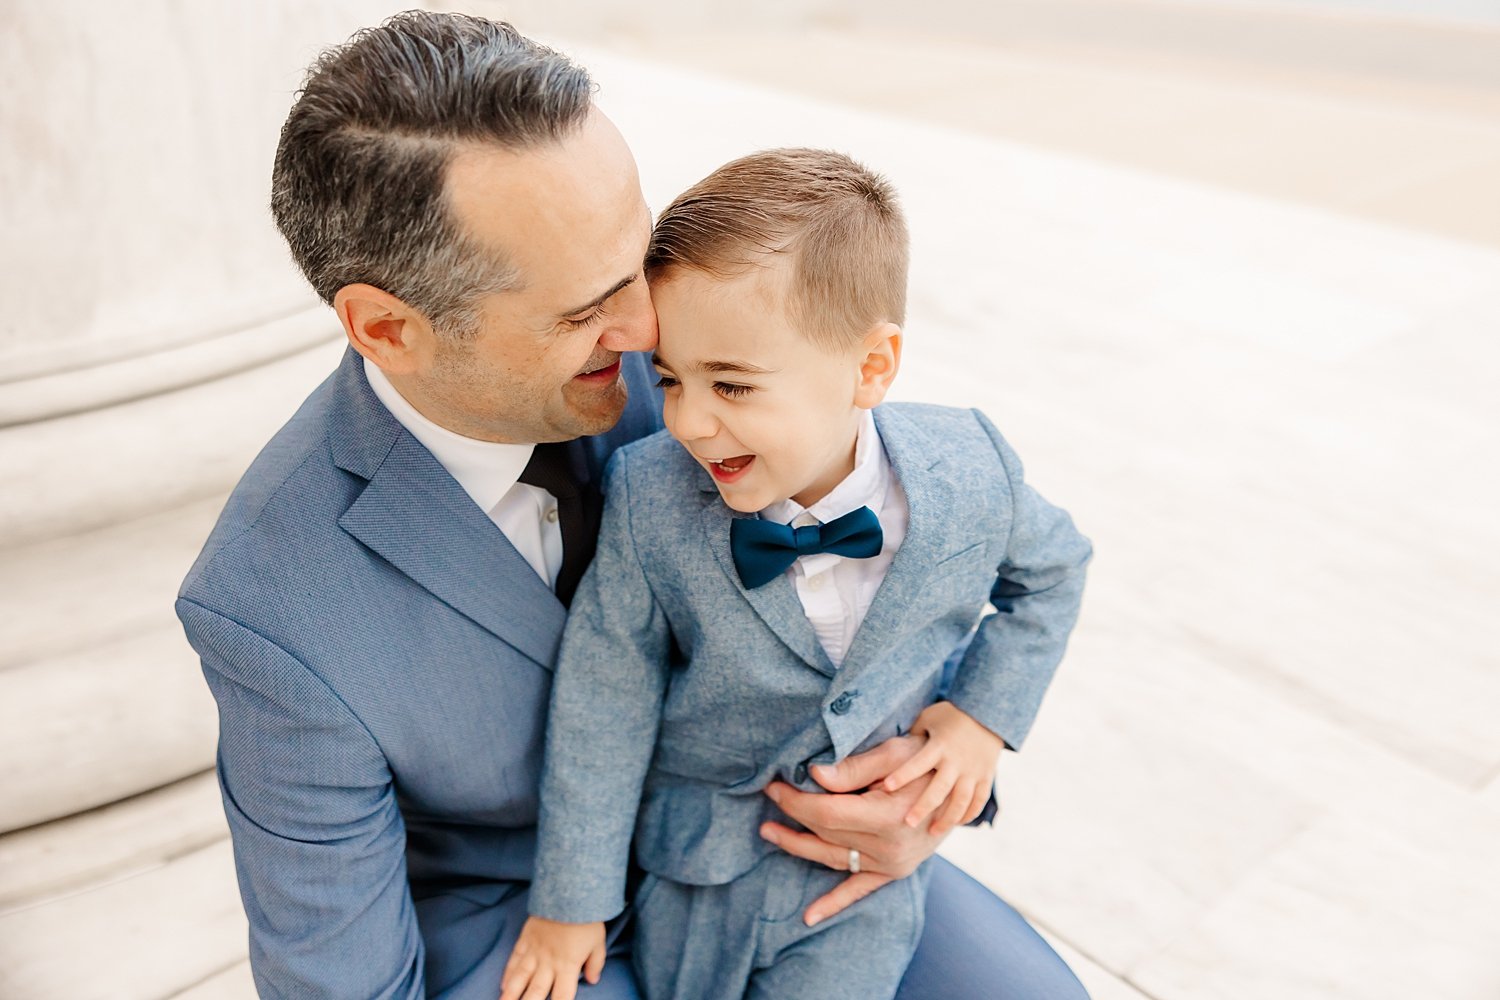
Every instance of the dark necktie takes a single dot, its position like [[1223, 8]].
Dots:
[[551, 468], [764, 549]]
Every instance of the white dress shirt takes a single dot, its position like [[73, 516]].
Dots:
[[836, 591], [489, 473]]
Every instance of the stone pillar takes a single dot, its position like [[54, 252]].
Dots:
[[153, 335]]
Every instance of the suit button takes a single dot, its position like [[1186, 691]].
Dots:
[[800, 774], [842, 704]]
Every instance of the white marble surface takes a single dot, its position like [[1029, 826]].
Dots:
[[94, 726], [1100, 983], [1267, 768], [149, 128], [217, 355], [234, 983], [91, 470], [101, 845], [1377, 909], [128, 573], [147, 935]]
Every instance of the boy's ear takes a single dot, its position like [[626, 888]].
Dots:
[[880, 359], [384, 329]]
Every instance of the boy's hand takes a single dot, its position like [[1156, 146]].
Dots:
[[962, 755], [547, 958]]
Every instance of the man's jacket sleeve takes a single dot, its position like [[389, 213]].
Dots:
[[319, 845]]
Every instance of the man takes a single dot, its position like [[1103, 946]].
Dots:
[[378, 608]]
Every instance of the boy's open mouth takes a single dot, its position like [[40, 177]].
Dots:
[[730, 469]]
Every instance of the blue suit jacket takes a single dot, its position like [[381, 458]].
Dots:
[[679, 690], [381, 657]]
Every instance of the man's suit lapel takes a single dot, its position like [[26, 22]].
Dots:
[[417, 517], [934, 531], [776, 602]]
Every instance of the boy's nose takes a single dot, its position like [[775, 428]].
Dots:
[[690, 421]]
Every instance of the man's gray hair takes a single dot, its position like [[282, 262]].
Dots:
[[357, 189]]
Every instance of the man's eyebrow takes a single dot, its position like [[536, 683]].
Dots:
[[622, 283]]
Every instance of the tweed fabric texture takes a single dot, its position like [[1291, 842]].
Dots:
[[680, 694]]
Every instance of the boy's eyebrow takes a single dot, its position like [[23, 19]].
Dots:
[[731, 368], [622, 283], [720, 367]]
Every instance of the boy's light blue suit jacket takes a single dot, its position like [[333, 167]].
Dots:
[[679, 689], [381, 657]]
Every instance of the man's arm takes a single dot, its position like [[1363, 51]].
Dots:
[[319, 843]]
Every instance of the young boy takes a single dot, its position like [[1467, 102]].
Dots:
[[777, 588]]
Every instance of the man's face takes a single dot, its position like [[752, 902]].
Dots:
[[767, 412], [570, 218]]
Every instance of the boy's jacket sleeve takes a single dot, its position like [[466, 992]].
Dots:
[[1037, 591]]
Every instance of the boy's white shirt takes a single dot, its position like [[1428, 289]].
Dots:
[[489, 472], [836, 592]]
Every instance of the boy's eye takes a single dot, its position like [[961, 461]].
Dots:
[[732, 390], [665, 381]]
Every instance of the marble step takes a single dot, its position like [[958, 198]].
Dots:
[[88, 470], [74, 388], [95, 726], [149, 935], [234, 983], [102, 845], [68, 594]]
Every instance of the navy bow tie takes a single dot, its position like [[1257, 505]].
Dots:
[[764, 549]]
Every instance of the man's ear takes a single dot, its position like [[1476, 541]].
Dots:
[[880, 359], [384, 329]]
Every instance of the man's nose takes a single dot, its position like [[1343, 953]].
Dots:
[[635, 327]]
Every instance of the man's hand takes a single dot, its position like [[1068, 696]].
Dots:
[[872, 823], [547, 958], [961, 754]]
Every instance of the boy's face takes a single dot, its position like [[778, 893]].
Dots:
[[767, 412]]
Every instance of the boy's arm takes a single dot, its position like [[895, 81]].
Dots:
[[1038, 587], [601, 731]]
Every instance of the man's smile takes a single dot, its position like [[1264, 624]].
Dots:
[[605, 374]]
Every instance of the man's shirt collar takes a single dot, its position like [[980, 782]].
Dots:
[[485, 469]]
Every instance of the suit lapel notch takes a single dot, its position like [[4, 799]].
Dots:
[[416, 517]]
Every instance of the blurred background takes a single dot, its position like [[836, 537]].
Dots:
[[1227, 272]]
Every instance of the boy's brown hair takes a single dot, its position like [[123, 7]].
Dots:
[[838, 221]]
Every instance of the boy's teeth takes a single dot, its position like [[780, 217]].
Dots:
[[733, 464]]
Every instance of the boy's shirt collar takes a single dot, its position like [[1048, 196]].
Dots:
[[866, 486]]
